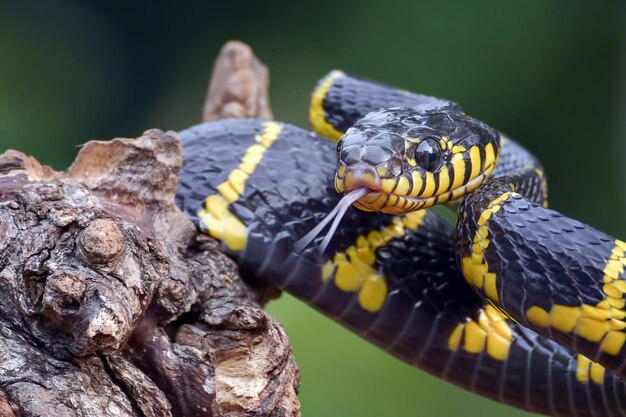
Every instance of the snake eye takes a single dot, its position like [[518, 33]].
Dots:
[[428, 155]]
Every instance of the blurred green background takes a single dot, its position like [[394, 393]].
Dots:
[[550, 74]]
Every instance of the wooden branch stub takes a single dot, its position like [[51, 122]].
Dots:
[[239, 85]]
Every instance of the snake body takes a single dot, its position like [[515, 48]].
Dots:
[[259, 186]]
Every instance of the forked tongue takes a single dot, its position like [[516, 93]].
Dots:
[[337, 214]]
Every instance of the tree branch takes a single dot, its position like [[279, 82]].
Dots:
[[110, 305]]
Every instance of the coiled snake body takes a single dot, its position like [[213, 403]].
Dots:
[[548, 292]]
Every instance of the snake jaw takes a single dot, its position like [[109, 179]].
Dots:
[[393, 203]]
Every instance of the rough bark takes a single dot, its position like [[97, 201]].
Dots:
[[239, 85], [110, 305]]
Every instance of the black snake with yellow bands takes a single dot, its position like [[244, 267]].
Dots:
[[259, 187]]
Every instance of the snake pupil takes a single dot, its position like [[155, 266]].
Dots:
[[428, 155]]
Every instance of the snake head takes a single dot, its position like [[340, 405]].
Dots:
[[410, 160]]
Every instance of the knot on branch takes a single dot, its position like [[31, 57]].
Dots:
[[76, 284]]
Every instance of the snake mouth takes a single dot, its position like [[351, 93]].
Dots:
[[365, 193], [376, 199]]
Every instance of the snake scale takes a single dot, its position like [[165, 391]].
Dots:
[[518, 303]]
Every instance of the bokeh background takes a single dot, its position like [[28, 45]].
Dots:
[[550, 74]]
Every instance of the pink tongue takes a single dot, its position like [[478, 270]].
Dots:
[[337, 213]]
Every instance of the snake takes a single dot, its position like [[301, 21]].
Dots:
[[517, 303]]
